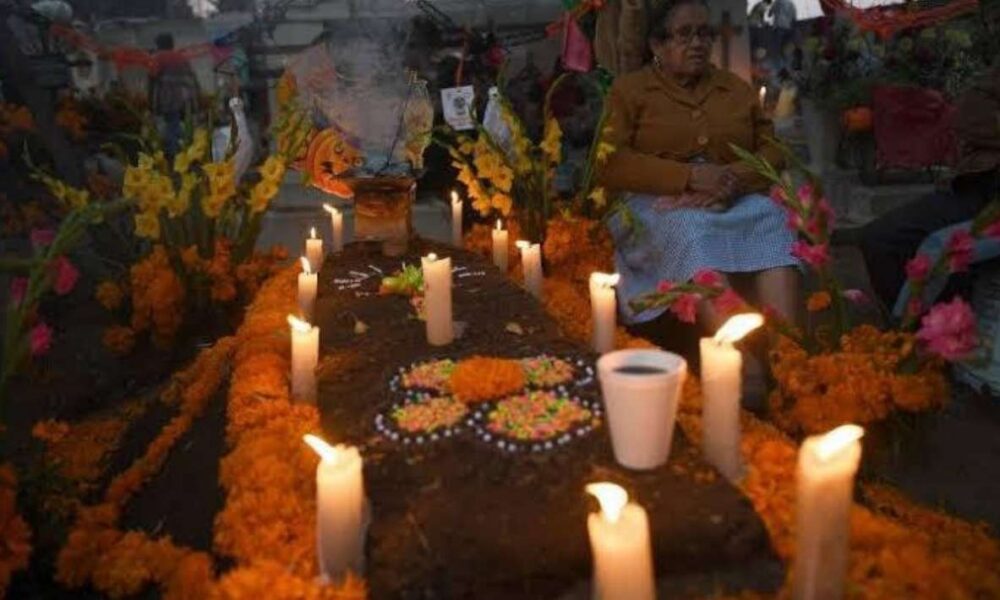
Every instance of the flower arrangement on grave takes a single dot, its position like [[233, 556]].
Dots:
[[832, 371], [505, 172], [193, 229]]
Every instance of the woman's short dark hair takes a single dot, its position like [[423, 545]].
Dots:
[[660, 13]]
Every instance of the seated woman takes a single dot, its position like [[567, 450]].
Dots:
[[695, 205]]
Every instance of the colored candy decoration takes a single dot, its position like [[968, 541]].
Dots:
[[429, 415], [545, 371]]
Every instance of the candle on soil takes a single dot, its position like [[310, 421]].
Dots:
[[308, 282], [620, 545], [604, 309], [437, 299], [531, 266], [305, 357], [500, 244], [314, 251], [721, 387], [824, 485], [339, 509], [456, 220], [337, 226]]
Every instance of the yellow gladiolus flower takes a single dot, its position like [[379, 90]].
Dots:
[[552, 144], [147, 225], [502, 203], [273, 169], [503, 179], [604, 151], [182, 162], [598, 197], [136, 178], [261, 195]]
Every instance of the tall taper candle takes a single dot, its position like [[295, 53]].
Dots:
[[305, 357], [824, 493], [721, 386], [314, 251], [456, 220], [437, 300], [500, 249], [336, 226], [604, 310], [531, 266], [620, 544], [308, 282], [340, 497]]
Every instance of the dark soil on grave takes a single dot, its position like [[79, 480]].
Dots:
[[460, 519]]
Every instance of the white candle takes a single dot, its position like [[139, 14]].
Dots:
[[305, 356], [456, 220], [500, 247], [437, 299], [314, 251], [620, 544], [308, 282], [824, 494], [531, 265], [340, 500], [721, 386], [762, 94], [604, 309], [337, 226]]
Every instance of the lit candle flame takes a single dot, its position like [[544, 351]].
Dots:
[[605, 280], [454, 197], [312, 233], [499, 225], [306, 267], [326, 452], [330, 209], [737, 327], [612, 498], [836, 440], [299, 325], [762, 93], [523, 244], [432, 257]]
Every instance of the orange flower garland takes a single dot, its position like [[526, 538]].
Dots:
[[480, 378]]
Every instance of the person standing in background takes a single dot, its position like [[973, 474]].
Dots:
[[173, 93]]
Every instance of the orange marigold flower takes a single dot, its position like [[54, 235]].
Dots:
[[15, 536], [481, 378], [110, 295], [120, 340], [818, 301], [50, 431]]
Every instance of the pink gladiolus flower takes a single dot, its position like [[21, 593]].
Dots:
[[918, 268], [793, 221], [805, 194], [65, 276], [949, 330], [855, 296], [18, 288], [686, 307], [664, 286], [707, 278], [40, 339], [814, 255], [42, 237], [728, 302], [960, 247]]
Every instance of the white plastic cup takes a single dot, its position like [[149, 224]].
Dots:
[[641, 407]]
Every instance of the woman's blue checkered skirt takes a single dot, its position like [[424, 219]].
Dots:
[[675, 244]]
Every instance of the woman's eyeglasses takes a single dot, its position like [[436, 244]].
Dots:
[[688, 33]]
